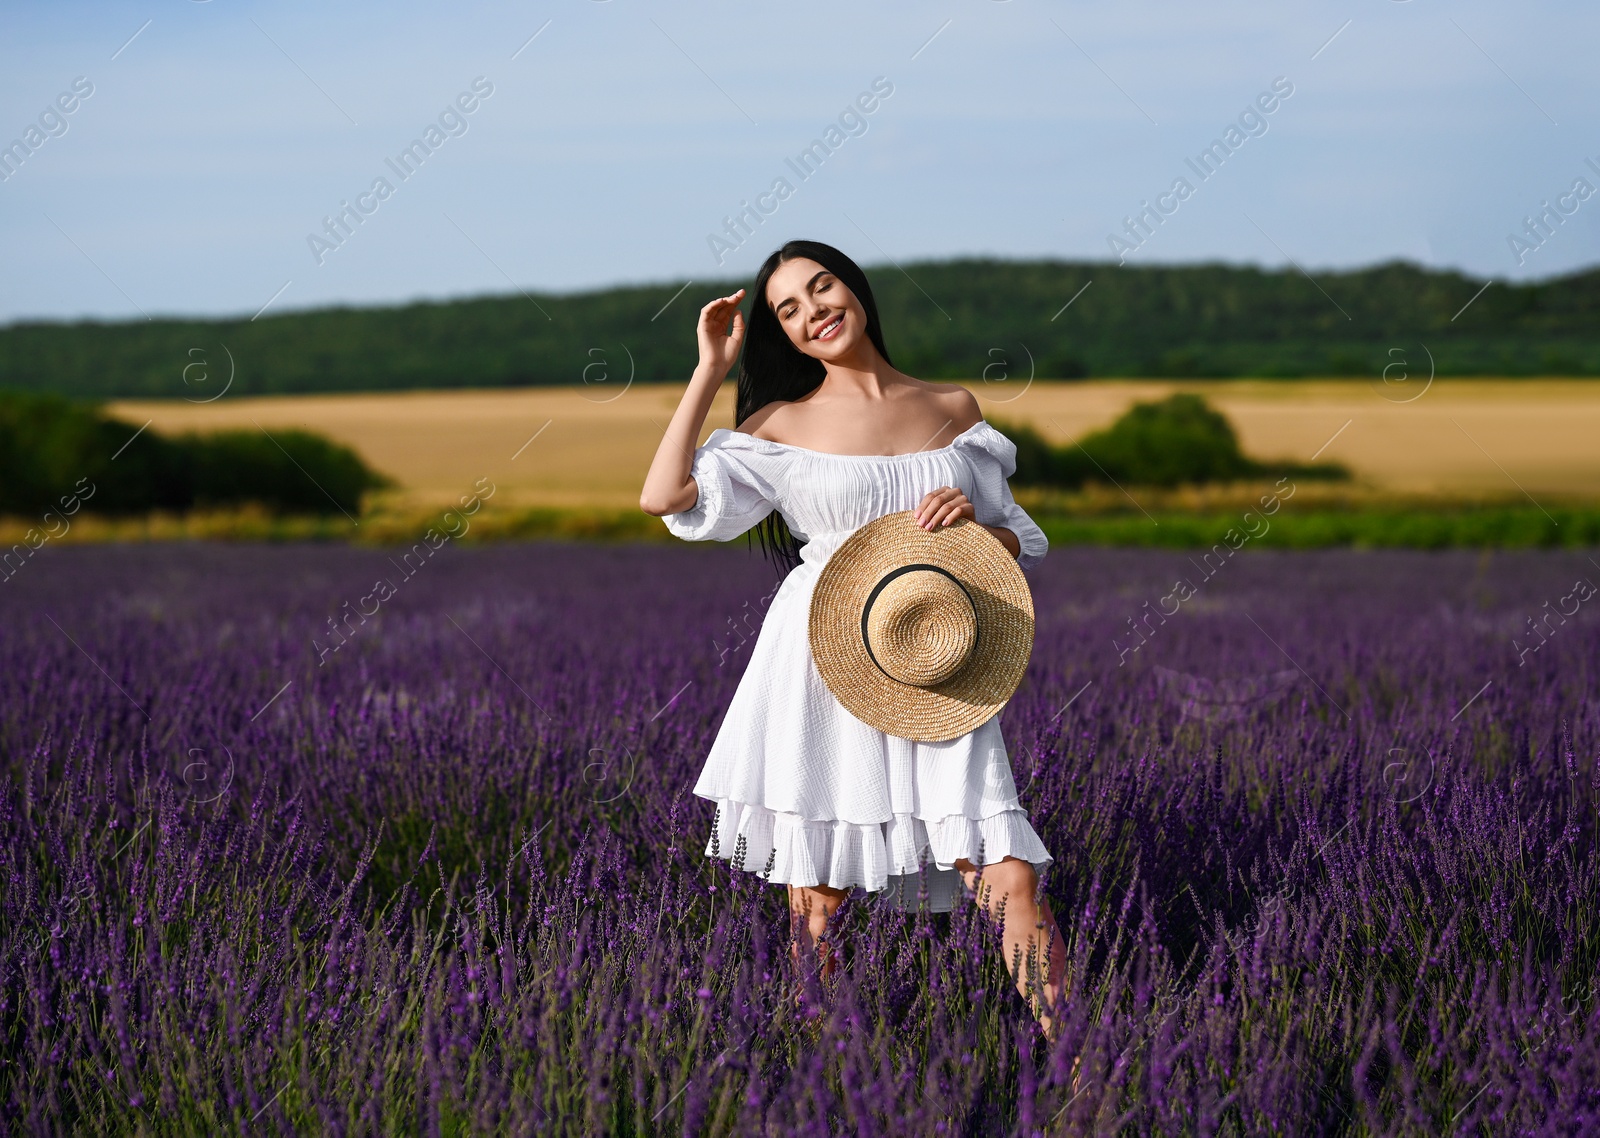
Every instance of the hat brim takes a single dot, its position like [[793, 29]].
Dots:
[[976, 692]]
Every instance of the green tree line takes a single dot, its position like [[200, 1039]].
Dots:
[[971, 319]]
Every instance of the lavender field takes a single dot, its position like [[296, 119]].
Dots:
[[1325, 854]]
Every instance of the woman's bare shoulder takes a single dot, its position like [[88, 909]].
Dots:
[[769, 415], [956, 403]]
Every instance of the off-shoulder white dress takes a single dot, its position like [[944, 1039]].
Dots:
[[820, 797]]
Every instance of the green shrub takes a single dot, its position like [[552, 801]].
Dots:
[[52, 448], [1037, 460], [1176, 440], [1171, 442], [293, 471]]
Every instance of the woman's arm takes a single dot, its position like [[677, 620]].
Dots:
[[668, 488], [1006, 538]]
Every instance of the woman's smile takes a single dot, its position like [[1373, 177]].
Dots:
[[831, 329]]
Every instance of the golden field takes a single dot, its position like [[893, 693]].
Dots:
[[567, 447]]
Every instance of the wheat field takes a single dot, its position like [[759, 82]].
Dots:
[[577, 446]]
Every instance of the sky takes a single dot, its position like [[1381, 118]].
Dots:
[[210, 145]]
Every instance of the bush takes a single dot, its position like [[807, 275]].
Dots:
[[294, 471], [1037, 460], [53, 448], [1177, 440], [1174, 441]]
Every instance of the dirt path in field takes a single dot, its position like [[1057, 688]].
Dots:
[[588, 446]]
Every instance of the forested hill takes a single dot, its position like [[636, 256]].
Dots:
[[942, 320]]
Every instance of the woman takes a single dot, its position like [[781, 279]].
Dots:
[[830, 437]]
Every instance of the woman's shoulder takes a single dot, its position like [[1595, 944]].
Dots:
[[727, 441], [956, 403], [955, 396], [773, 418], [965, 417]]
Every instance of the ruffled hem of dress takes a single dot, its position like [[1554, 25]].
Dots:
[[884, 858]]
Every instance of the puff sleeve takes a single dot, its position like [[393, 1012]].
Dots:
[[994, 460], [736, 489]]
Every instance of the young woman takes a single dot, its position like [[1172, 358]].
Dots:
[[832, 436]]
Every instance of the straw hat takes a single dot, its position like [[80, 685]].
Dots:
[[922, 634]]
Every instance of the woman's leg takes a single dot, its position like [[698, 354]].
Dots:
[[1027, 928], [810, 908]]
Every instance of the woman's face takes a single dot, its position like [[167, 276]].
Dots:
[[822, 317]]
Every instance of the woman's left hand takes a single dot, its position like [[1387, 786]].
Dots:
[[943, 506]]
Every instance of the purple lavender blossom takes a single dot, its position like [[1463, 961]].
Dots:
[[1325, 857]]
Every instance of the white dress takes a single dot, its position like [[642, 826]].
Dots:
[[820, 797]]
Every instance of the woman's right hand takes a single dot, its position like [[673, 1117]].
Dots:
[[719, 348]]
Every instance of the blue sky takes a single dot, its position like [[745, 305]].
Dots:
[[220, 135]]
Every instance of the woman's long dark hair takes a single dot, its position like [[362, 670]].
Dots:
[[772, 368]]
